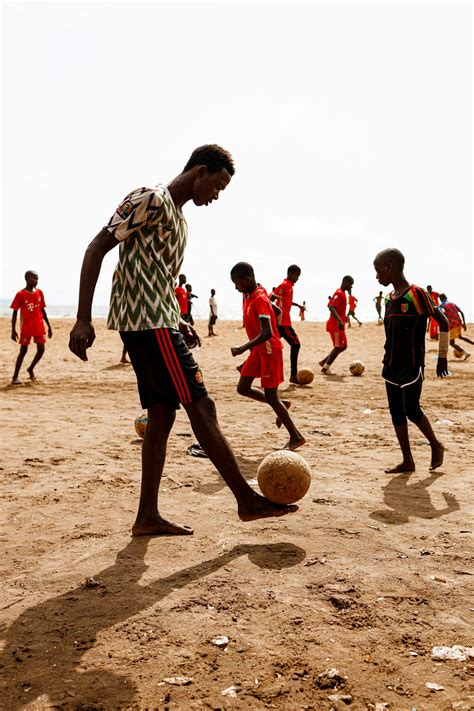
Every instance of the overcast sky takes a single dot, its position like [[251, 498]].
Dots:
[[350, 125]]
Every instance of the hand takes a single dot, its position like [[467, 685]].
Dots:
[[14, 335], [50, 332], [236, 350], [190, 336], [464, 327], [442, 367], [81, 337]]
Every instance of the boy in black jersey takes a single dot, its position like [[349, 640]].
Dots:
[[407, 309]]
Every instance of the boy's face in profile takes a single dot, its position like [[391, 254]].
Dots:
[[243, 284], [383, 272], [294, 276], [207, 186]]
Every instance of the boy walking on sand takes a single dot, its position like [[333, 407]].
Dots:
[[378, 306], [151, 229], [457, 324], [336, 324], [352, 307], [31, 304], [283, 294], [212, 314], [407, 310], [265, 360]]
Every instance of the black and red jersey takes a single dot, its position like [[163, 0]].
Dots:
[[405, 327]]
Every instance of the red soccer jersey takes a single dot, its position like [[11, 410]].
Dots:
[[339, 302], [182, 296], [434, 297], [258, 304], [284, 292], [30, 304], [352, 302]]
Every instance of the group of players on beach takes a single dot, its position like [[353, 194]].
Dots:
[[151, 231]]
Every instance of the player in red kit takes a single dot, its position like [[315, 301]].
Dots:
[[265, 360], [182, 296], [30, 302], [336, 323], [351, 313], [283, 295], [434, 328]]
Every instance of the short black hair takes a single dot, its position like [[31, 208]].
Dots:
[[392, 256], [348, 278], [242, 270], [443, 297], [30, 271], [293, 268], [213, 157]]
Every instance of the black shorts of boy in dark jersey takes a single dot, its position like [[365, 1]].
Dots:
[[288, 334], [403, 393], [166, 371]]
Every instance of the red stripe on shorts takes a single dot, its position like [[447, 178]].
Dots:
[[184, 382], [163, 348]]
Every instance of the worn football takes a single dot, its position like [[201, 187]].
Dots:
[[284, 477], [305, 376], [140, 424], [357, 367]]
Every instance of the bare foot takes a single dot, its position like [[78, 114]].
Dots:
[[294, 380], [293, 444], [437, 456], [160, 527], [287, 404], [260, 507], [31, 374], [404, 467], [16, 382]]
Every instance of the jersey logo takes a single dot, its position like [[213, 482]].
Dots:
[[198, 376], [405, 308], [124, 210]]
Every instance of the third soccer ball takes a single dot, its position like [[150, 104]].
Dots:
[[357, 367]]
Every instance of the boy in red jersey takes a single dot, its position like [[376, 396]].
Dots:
[[265, 360], [457, 323], [182, 296], [351, 313], [283, 295], [407, 310], [434, 296], [336, 323], [30, 302]]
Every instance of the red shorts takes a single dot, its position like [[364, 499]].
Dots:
[[338, 336], [266, 366], [26, 336]]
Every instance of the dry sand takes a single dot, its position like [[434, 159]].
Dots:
[[371, 572]]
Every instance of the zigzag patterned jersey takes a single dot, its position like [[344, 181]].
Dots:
[[153, 235]]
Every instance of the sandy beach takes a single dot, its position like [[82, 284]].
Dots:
[[370, 573]]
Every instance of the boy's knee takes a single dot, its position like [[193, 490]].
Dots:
[[414, 414]]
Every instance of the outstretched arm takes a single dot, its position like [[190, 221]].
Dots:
[[82, 335]]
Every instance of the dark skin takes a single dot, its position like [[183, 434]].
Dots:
[[293, 276], [346, 285], [246, 285], [202, 187], [390, 272], [31, 283]]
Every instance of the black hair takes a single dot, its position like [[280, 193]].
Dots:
[[443, 297], [213, 157], [242, 270], [30, 271], [293, 268], [392, 256], [348, 278]]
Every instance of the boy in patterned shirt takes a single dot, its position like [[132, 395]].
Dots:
[[457, 324], [265, 360], [31, 304], [407, 310], [150, 228]]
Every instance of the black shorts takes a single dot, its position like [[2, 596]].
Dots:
[[165, 368]]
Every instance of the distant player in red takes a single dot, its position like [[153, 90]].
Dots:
[[30, 302], [434, 328], [302, 311], [457, 324], [182, 296], [351, 313], [336, 323], [283, 295], [265, 360]]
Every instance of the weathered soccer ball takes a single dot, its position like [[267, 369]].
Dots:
[[140, 424], [357, 367], [284, 477], [458, 354], [305, 376]]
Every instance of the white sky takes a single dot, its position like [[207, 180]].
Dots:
[[350, 125]]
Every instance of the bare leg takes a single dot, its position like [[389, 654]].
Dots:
[[36, 359], [408, 464], [124, 359], [18, 364], [148, 521], [296, 438], [250, 505], [437, 448], [326, 362]]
